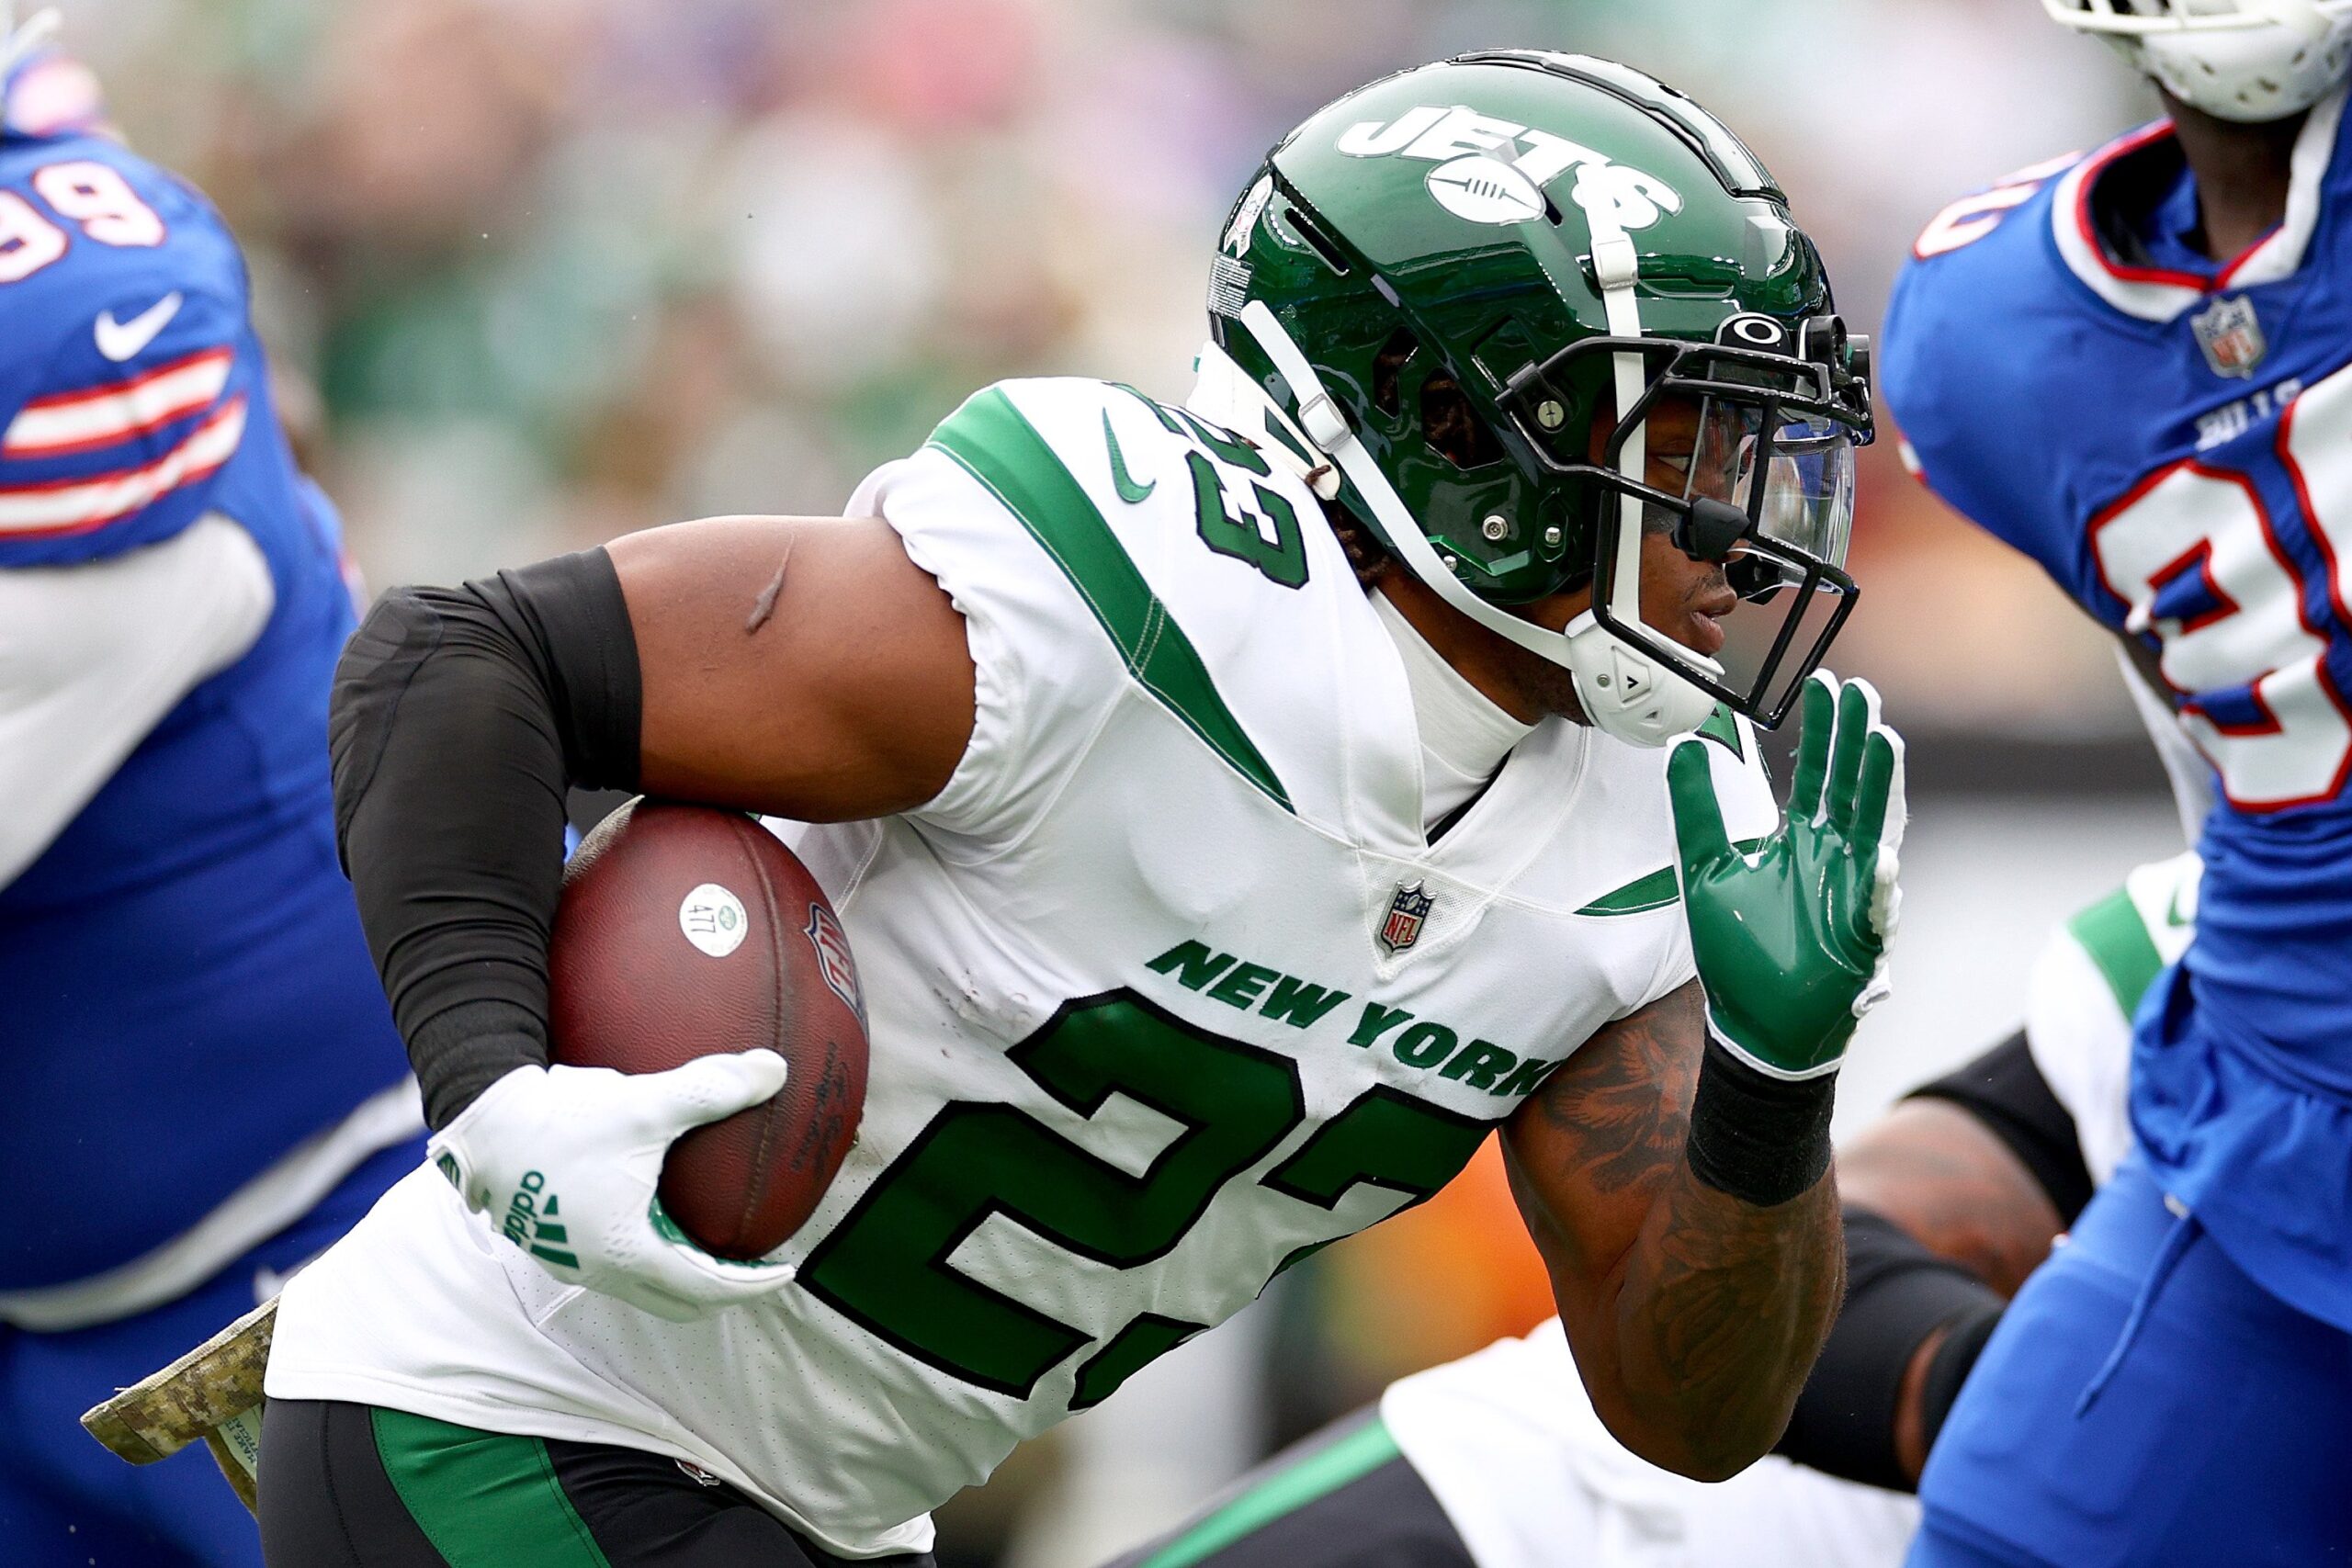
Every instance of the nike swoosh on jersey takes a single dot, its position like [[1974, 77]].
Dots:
[[122, 340], [1129, 492]]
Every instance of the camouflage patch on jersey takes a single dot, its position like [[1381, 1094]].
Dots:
[[989, 438]]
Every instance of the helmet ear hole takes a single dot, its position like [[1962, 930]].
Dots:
[[1450, 423], [1388, 371]]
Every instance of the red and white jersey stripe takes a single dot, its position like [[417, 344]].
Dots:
[[103, 416], [75, 505]]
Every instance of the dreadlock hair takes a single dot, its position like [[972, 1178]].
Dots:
[[1366, 556]]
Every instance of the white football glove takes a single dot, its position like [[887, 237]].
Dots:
[[565, 1160]]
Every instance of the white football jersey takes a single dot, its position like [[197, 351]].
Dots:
[[2086, 984], [1508, 1441], [1166, 989]]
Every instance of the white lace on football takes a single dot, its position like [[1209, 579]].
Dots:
[[2238, 60]]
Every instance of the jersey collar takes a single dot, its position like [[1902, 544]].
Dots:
[[2161, 294]]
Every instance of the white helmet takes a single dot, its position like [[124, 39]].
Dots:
[[2241, 60], [17, 43]]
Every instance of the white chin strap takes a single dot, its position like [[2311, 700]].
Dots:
[[2238, 60], [1624, 691]]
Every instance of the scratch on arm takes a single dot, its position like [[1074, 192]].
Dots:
[[764, 607]]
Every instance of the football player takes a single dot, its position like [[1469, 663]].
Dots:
[[1496, 1460], [201, 1084], [2133, 365], [1208, 906]]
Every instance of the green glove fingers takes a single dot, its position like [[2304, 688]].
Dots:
[[1857, 710], [1816, 706], [1878, 830], [1791, 940], [1699, 834]]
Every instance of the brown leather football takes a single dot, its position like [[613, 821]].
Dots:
[[687, 930]]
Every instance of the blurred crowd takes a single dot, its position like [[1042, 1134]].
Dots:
[[562, 268], [545, 271]]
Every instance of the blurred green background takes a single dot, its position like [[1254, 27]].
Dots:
[[560, 268]]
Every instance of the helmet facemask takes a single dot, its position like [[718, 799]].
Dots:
[[1756, 434]]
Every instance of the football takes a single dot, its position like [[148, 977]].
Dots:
[[685, 931]]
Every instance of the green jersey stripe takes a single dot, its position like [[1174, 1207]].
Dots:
[[1638, 897], [1655, 891], [483, 1499], [1321, 1473], [993, 444], [2116, 939]]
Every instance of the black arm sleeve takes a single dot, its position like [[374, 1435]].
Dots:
[[1897, 1293], [459, 718], [2004, 1090]]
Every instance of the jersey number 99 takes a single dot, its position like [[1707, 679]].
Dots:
[[92, 194]]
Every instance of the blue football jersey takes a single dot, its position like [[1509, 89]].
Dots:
[[2171, 439], [184, 992]]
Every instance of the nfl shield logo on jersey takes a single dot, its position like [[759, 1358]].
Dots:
[[2231, 337], [1406, 912]]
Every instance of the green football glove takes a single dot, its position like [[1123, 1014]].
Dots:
[[1791, 940]]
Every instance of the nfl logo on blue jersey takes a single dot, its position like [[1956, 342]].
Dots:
[[1407, 911], [2231, 337]]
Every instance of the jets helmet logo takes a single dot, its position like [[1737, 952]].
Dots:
[[2231, 337], [1408, 912], [1494, 171]]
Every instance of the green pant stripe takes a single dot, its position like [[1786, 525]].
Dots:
[[483, 1499], [2116, 939], [989, 439], [1318, 1475]]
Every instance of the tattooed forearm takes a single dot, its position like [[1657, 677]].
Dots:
[[1694, 1316], [1624, 1100], [1722, 1311]]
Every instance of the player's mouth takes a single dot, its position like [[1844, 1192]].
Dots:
[[1708, 606]]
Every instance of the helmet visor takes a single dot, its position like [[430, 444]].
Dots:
[[1788, 473], [1791, 474]]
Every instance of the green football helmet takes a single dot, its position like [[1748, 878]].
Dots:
[[1458, 295]]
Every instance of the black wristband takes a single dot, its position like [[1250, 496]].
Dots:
[[1897, 1293], [1763, 1140], [459, 716]]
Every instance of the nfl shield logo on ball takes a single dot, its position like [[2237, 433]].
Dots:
[[2231, 337], [1406, 913], [825, 934]]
